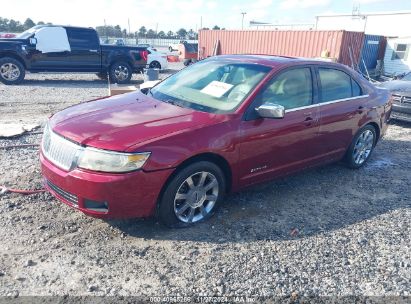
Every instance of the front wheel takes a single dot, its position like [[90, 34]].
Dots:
[[120, 72], [361, 147], [11, 71], [192, 195]]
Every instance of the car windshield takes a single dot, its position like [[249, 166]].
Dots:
[[214, 86], [28, 33]]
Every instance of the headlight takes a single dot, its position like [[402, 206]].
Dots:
[[108, 161]]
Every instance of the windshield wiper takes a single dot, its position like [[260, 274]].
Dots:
[[173, 103]]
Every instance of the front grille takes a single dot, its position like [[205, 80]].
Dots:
[[59, 150], [401, 99], [63, 193]]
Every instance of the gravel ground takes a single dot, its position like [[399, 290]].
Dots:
[[330, 231]]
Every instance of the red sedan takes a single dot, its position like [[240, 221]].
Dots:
[[215, 127]]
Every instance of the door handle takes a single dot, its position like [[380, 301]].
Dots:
[[93, 51], [308, 121]]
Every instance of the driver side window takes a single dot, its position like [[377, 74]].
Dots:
[[291, 89]]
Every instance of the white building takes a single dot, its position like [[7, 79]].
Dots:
[[397, 58], [389, 24]]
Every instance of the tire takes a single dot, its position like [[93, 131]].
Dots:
[[361, 147], [178, 212], [187, 62], [12, 71], [102, 75], [120, 72], [155, 65]]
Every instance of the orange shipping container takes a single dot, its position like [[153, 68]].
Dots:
[[341, 45]]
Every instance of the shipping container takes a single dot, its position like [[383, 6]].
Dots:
[[371, 52], [345, 47]]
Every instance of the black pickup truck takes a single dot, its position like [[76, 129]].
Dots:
[[49, 48]]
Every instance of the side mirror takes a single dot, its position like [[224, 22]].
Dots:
[[33, 41], [271, 110]]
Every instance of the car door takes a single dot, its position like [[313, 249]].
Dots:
[[273, 147], [51, 52], [342, 105], [85, 55]]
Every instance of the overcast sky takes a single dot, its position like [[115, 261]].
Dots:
[[174, 14]]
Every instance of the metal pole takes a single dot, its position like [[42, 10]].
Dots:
[[242, 22]]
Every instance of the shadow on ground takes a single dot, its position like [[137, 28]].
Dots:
[[313, 202]]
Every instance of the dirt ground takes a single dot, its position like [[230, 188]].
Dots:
[[327, 231]]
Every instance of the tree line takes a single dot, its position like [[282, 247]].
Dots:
[[143, 32], [13, 26]]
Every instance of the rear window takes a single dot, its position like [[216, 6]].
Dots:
[[336, 84], [82, 38]]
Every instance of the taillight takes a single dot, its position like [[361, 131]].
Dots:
[[144, 55]]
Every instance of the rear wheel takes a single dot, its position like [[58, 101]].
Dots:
[[192, 195], [120, 72], [361, 147], [11, 71], [155, 65]]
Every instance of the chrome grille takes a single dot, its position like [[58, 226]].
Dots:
[[401, 99], [59, 150], [64, 194]]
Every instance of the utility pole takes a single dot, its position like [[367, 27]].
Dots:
[[201, 22], [105, 28], [129, 32], [242, 22]]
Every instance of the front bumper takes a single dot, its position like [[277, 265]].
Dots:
[[105, 195], [401, 111]]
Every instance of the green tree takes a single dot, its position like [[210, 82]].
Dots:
[[216, 27], [182, 33], [151, 34], [161, 34], [117, 31], [142, 31], [170, 34], [40, 23], [191, 34], [28, 24]]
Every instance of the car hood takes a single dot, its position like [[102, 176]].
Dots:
[[397, 86], [12, 40], [123, 121]]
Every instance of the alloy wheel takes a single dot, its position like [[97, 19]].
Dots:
[[10, 71], [363, 147], [196, 197], [121, 72]]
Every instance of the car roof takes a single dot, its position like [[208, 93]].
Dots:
[[65, 26], [277, 61]]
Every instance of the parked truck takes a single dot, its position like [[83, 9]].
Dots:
[[50, 48]]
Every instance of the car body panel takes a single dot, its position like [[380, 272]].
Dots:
[[401, 92], [254, 149], [157, 56], [91, 58]]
